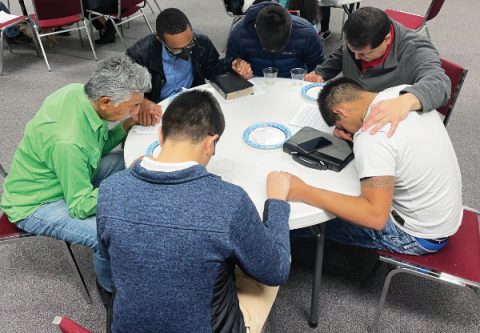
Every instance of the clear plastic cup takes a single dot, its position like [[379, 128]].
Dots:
[[298, 75], [270, 75]]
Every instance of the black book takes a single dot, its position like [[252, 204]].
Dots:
[[232, 86]]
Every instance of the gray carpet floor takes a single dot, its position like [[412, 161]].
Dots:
[[36, 282]]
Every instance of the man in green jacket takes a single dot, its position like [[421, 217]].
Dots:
[[52, 187]]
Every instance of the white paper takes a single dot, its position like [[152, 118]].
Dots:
[[4, 17], [146, 130], [309, 115]]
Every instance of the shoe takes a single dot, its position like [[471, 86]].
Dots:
[[106, 38], [21, 38], [63, 34], [108, 35], [324, 34]]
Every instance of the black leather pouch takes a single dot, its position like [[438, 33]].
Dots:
[[318, 150]]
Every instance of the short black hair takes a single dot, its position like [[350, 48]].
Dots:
[[171, 21], [274, 25], [341, 90], [192, 116], [367, 26]]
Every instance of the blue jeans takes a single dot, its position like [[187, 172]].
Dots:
[[391, 238], [53, 220]]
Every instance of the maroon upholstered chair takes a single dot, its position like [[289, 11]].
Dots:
[[10, 233], [457, 75], [127, 10], [51, 14], [414, 21], [8, 24], [457, 264]]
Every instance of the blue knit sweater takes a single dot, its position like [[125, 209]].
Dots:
[[303, 50], [174, 238]]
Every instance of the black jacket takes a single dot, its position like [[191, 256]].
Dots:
[[148, 53]]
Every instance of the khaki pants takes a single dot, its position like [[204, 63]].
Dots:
[[255, 300]]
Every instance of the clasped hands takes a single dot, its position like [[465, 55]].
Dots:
[[242, 68]]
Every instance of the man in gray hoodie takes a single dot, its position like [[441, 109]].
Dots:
[[380, 53]]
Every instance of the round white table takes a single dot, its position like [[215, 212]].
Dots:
[[271, 103]]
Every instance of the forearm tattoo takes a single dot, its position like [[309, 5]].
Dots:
[[383, 182]]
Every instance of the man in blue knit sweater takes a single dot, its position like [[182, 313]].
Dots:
[[188, 251]]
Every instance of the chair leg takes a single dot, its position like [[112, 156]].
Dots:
[[428, 33], [146, 21], [386, 285], [476, 291], [150, 6], [1, 73], [42, 48], [89, 37], [78, 274], [31, 26], [319, 232], [118, 32], [156, 3], [3, 172], [80, 35]]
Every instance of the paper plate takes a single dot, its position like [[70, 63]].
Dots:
[[153, 149], [311, 91], [266, 135]]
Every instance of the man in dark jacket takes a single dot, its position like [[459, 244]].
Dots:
[[268, 36], [177, 57]]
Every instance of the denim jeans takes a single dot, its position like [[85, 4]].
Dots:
[[391, 238], [53, 220]]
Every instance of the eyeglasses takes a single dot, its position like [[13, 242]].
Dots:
[[189, 46]]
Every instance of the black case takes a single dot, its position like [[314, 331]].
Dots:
[[332, 157]]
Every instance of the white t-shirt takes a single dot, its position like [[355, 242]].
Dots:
[[153, 165], [428, 184]]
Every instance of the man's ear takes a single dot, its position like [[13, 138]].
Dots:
[[104, 102], [341, 110], [209, 145]]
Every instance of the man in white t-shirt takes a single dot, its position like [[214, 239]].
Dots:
[[411, 190]]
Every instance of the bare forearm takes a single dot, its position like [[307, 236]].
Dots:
[[355, 209], [127, 124]]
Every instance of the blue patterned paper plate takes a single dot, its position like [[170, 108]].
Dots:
[[248, 135], [150, 149], [307, 87]]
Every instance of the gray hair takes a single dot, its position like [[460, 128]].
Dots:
[[117, 78]]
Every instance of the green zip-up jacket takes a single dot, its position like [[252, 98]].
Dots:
[[58, 156]]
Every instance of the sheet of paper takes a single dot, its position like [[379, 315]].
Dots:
[[4, 17], [309, 115], [146, 130]]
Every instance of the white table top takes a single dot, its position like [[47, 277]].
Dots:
[[277, 103]]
